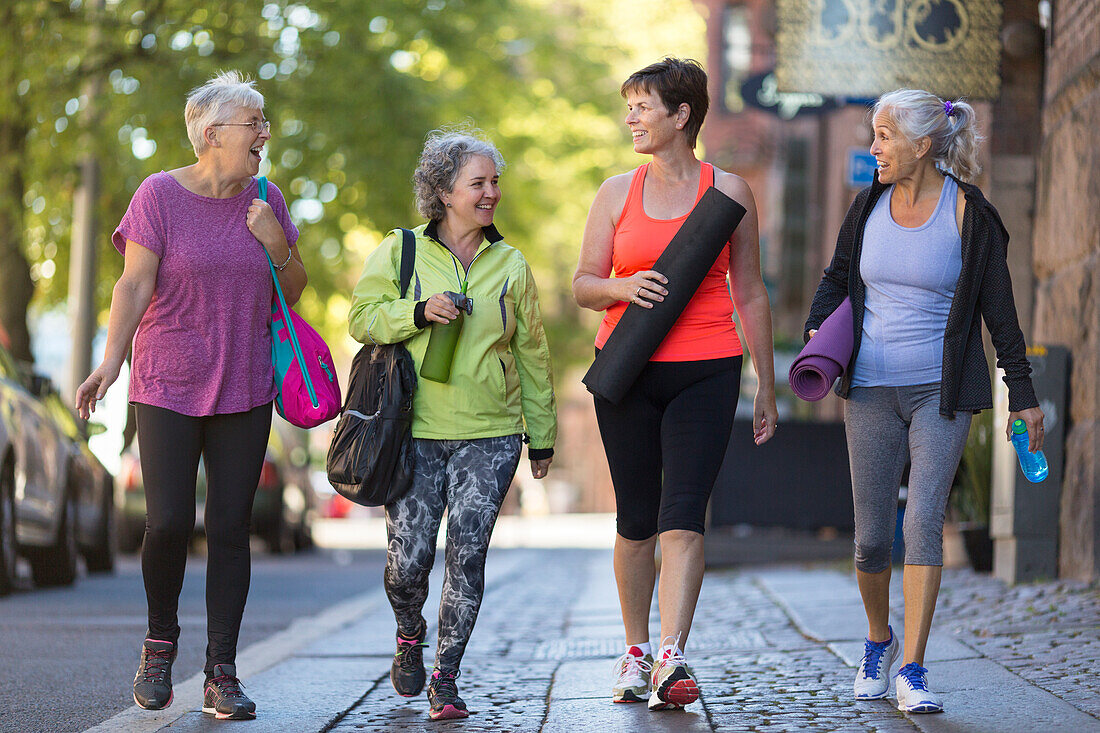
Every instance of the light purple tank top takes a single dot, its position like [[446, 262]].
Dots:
[[910, 275], [203, 346]]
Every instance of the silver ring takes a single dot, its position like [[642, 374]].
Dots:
[[639, 293]]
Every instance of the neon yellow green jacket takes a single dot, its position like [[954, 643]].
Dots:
[[501, 381]]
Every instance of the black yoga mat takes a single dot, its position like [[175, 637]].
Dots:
[[685, 263]]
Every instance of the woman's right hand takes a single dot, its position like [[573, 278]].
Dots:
[[95, 388], [642, 288], [440, 308]]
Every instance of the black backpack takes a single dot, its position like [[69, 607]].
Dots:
[[371, 459]]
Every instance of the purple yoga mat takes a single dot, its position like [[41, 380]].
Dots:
[[825, 357]]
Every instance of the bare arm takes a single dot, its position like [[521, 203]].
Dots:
[[130, 299], [265, 227], [751, 300], [593, 286]]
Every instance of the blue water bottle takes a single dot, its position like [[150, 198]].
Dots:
[[1034, 465]]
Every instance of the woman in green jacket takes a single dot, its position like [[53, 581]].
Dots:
[[467, 431]]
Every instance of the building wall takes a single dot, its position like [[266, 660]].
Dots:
[[1067, 263]]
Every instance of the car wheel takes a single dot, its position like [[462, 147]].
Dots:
[[303, 537], [100, 558], [56, 565], [7, 529], [278, 537], [130, 535]]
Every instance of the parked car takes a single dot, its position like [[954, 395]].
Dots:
[[56, 498], [282, 512]]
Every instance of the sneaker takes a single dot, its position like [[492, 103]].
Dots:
[[873, 677], [631, 674], [673, 685], [153, 681], [913, 693], [443, 699], [222, 696], [407, 671]]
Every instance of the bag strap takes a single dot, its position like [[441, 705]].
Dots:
[[285, 310], [408, 259]]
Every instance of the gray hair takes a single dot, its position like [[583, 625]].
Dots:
[[954, 137], [215, 101], [445, 153]]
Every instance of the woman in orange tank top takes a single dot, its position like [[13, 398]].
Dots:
[[666, 439]]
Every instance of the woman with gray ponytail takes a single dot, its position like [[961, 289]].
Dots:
[[922, 257]]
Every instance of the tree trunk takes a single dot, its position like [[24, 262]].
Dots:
[[16, 286]]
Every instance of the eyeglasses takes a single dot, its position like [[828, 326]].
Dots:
[[257, 126]]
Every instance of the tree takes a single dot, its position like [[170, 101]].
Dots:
[[352, 89]]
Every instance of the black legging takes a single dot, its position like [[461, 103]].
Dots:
[[233, 447], [665, 442]]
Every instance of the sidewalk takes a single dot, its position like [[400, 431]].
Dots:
[[774, 650]]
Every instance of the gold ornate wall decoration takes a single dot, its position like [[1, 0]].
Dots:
[[863, 48]]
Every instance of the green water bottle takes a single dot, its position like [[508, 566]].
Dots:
[[440, 353]]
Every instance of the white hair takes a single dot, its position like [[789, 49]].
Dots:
[[954, 137], [215, 101]]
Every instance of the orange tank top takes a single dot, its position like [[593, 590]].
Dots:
[[705, 329]]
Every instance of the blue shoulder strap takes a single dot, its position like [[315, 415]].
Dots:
[[262, 183]]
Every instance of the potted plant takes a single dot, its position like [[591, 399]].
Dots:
[[970, 496]]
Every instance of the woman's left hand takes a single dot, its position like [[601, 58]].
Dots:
[[540, 467], [1033, 418], [266, 228], [765, 416]]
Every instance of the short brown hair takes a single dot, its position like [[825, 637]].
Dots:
[[676, 81]]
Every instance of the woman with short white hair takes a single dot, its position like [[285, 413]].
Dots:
[[195, 298], [922, 255]]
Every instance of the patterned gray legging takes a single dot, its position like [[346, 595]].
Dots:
[[469, 479]]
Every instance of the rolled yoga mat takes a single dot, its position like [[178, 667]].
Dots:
[[685, 263], [825, 356]]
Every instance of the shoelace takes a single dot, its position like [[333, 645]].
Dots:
[[674, 657], [227, 687], [444, 684], [156, 664], [872, 657], [404, 647], [916, 676], [630, 664]]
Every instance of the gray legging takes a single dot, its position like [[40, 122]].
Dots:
[[468, 479], [885, 426]]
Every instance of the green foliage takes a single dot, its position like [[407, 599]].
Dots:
[[352, 88]]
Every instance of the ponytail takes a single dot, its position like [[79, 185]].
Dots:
[[959, 151], [952, 128]]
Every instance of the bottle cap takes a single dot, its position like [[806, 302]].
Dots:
[[1019, 427]]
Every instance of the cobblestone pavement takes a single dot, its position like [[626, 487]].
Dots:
[[541, 655], [1047, 633], [774, 650]]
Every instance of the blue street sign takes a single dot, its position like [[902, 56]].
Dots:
[[861, 168]]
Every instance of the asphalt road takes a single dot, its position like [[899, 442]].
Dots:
[[68, 655]]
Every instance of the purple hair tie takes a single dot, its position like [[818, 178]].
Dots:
[[949, 109]]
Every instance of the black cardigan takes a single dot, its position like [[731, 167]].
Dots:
[[984, 290]]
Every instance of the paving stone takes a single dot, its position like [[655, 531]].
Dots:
[[773, 650]]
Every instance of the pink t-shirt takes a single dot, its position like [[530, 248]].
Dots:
[[203, 346]]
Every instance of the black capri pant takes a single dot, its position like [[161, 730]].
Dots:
[[665, 442]]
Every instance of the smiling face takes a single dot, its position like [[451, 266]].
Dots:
[[897, 158], [474, 197], [651, 125], [239, 145]]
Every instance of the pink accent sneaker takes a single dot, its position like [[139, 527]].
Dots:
[[443, 697]]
